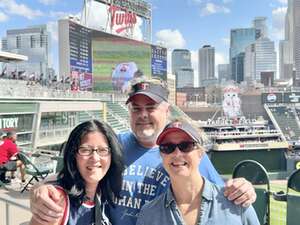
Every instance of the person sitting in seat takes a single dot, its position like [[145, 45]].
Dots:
[[8, 156]]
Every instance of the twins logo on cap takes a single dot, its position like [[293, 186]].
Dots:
[[176, 124], [143, 86]]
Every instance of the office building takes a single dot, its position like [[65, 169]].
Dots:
[[182, 68], [224, 72], [259, 57], [206, 68], [259, 23], [285, 60], [184, 77], [33, 42], [181, 58], [239, 40], [292, 36]]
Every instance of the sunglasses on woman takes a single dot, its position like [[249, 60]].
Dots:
[[185, 146]]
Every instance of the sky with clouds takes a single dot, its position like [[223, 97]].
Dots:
[[175, 23]]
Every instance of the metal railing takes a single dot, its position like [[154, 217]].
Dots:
[[19, 89]]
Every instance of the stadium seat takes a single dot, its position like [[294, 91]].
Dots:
[[59, 163], [37, 172], [255, 173], [292, 198]]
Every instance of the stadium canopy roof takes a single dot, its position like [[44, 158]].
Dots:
[[12, 57]]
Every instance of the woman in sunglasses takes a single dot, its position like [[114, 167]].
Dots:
[[191, 198], [91, 176]]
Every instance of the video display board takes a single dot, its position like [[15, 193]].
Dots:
[[159, 62], [81, 73], [116, 60]]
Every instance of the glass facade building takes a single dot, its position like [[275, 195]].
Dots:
[[185, 77], [239, 40], [182, 66], [260, 57], [206, 57], [292, 37]]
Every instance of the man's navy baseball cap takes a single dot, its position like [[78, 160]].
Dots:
[[179, 126], [156, 92]]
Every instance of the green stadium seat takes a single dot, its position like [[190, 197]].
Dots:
[[37, 172], [255, 173]]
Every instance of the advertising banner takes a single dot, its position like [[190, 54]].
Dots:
[[119, 19], [272, 98], [292, 97]]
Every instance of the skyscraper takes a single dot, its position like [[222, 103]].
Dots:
[[32, 42], [181, 58], [206, 64], [223, 72], [285, 60], [259, 23], [292, 33], [182, 68], [239, 40], [185, 77], [259, 57]]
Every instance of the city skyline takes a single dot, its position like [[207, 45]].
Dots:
[[201, 22]]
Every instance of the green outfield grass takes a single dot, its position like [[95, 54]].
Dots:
[[278, 209]]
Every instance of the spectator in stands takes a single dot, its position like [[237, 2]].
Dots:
[[191, 198], [91, 175], [144, 179], [8, 155], [75, 85]]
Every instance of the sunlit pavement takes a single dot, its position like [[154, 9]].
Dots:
[[17, 215]]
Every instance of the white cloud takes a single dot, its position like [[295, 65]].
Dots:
[[211, 8], [220, 58], [48, 2], [52, 27], [3, 17], [278, 17], [170, 38], [11, 7], [58, 14]]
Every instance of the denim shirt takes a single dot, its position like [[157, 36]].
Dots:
[[215, 209]]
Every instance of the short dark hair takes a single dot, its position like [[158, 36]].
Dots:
[[10, 133], [69, 177]]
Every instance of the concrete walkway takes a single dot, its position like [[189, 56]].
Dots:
[[14, 206]]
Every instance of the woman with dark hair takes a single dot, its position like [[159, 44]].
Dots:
[[92, 174]]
